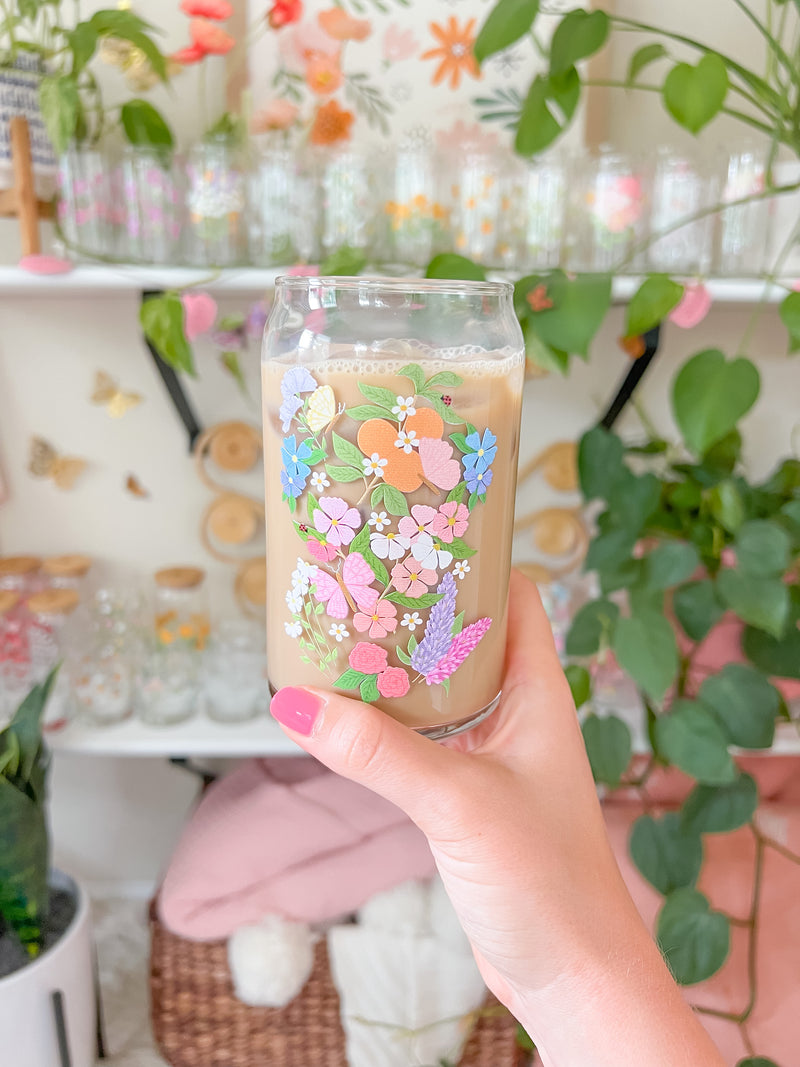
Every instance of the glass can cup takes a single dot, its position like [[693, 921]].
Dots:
[[607, 214], [168, 685], [181, 607], [233, 672], [216, 194], [391, 434], [153, 205], [102, 684], [744, 228], [681, 189], [48, 640]]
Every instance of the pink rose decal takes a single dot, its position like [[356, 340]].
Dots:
[[368, 658], [451, 521], [337, 520], [393, 682]]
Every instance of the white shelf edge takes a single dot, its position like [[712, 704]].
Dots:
[[121, 278], [199, 736]]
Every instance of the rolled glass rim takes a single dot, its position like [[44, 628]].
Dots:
[[441, 286]]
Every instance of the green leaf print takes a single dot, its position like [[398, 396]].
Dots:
[[385, 398], [396, 503], [312, 506], [427, 600], [403, 656], [362, 412], [460, 441], [415, 373], [435, 400], [369, 689], [445, 379], [343, 474], [347, 451], [350, 679], [457, 494], [460, 549]]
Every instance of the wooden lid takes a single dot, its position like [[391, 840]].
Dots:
[[8, 600], [67, 566], [232, 520], [53, 602], [179, 577], [235, 446], [251, 583], [19, 565]]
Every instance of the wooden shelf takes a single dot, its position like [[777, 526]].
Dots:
[[89, 278]]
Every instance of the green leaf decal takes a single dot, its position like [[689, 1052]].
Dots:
[[347, 451], [427, 600], [350, 679]]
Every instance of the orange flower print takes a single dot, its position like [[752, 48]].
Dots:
[[331, 124], [343, 27], [454, 52], [210, 37], [323, 73], [403, 468]]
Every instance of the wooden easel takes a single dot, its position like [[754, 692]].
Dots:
[[21, 199]]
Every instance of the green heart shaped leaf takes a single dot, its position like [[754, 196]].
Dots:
[[505, 24], [697, 608], [593, 623], [773, 656], [694, 940], [695, 95], [719, 809], [651, 303], [762, 548], [450, 265], [790, 316], [608, 746], [645, 647], [691, 738], [547, 111], [579, 306], [579, 35], [761, 602], [600, 462], [642, 58], [670, 563], [710, 395], [745, 704], [666, 853], [580, 683]]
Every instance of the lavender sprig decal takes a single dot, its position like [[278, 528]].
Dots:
[[439, 628]]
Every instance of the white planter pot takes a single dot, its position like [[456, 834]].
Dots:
[[27, 1018]]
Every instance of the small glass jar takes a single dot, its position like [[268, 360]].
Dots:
[[476, 194], [68, 572], [234, 672], [415, 219], [50, 613], [607, 215], [20, 574], [532, 216], [181, 608], [153, 206], [349, 202], [744, 229], [168, 685], [15, 660], [271, 209], [216, 198], [102, 684], [680, 190], [85, 201]]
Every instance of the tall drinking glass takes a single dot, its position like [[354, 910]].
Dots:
[[391, 433]]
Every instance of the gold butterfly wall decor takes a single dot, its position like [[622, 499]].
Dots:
[[135, 487], [115, 400], [45, 462]]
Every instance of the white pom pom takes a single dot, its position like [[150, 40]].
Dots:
[[271, 962], [403, 909], [444, 922]]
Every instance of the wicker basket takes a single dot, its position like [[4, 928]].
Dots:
[[199, 1022]]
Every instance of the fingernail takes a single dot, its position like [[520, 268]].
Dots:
[[296, 708]]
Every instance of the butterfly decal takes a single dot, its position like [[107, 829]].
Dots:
[[438, 465], [115, 400], [349, 590], [45, 462], [321, 411]]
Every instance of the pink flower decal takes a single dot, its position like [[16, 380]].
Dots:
[[393, 682], [420, 521], [461, 646], [321, 550], [412, 578], [337, 520], [351, 588], [380, 621], [398, 44], [451, 521], [438, 464], [368, 658]]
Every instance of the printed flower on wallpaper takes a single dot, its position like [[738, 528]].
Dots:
[[333, 71]]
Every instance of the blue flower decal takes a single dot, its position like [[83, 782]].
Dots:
[[295, 469], [478, 481], [293, 483], [482, 451]]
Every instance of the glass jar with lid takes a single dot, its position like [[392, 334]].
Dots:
[[181, 608], [20, 574], [50, 612], [168, 684], [67, 572], [234, 671], [14, 654]]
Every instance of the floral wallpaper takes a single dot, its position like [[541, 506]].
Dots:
[[371, 71]]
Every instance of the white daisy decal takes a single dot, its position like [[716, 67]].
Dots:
[[374, 465], [293, 629], [319, 481], [407, 440], [380, 520], [339, 631], [461, 569], [404, 407], [294, 601], [411, 620]]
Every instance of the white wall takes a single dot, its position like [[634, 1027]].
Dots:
[[118, 818]]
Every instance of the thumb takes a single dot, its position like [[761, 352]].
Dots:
[[366, 745]]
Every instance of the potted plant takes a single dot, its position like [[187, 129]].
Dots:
[[47, 1002]]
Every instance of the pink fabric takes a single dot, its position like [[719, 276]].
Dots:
[[287, 837], [727, 881]]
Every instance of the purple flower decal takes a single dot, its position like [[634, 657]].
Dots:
[[438, 630], [297, 380], [337, 520]]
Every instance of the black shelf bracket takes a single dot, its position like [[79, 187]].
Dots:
[[172, 382], [630, 382]]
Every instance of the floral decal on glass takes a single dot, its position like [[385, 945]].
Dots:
[[380, 568]]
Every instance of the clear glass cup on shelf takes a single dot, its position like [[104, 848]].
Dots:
[[744, 229], [532, 215], [102, 677], [15, 660], [233, 671], [48, 640], [181, 607], [152, 196], [476, 197], [20, 574], [216, 200], [607, 214], [168, 686], [390, 538], [681, 188], [414, 215], [116, 617], [349, 200], [271, 199], [84, 201]]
